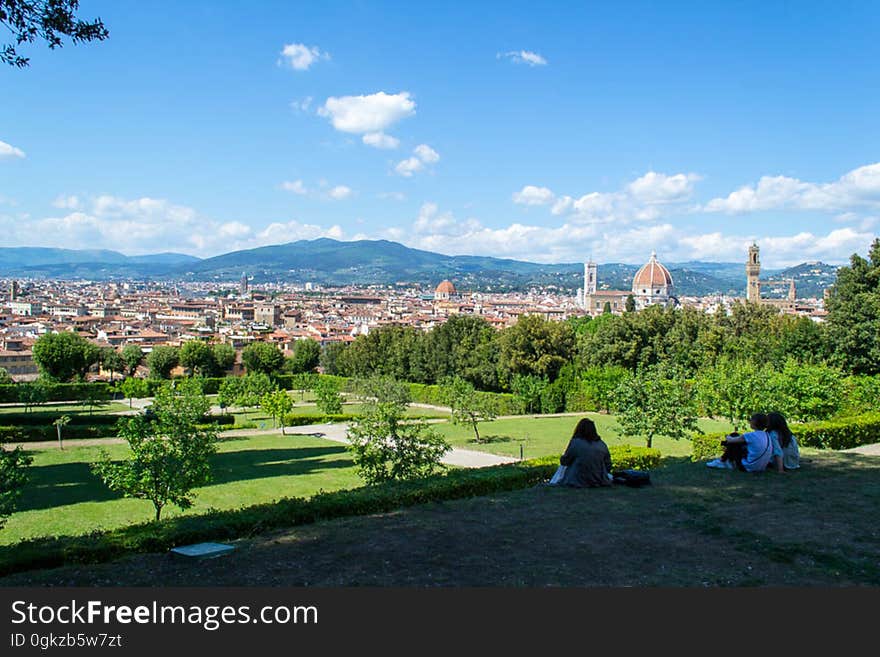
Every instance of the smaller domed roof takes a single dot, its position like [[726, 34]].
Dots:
[[445, 287], [652, 274]]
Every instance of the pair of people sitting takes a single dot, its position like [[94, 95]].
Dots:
[[769, 445]]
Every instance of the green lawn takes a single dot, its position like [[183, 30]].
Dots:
[[548, 436], [65, 498], [258, 417]]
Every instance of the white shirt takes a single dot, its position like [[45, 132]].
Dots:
[[759, 451]]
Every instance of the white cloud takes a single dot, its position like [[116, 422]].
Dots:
[[366, 114], [301, 57], [295, 186], [656, 187], [149, 225], [857, 189], [409, 166], [380, 140], [423, 154], [426, 154], [8, 151], [523, 57], [640, 200], [66, 202], [339, 192], [532, 195]]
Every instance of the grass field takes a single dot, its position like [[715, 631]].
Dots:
[[549, 435], [259, 417], [65, 498], [694, 527]]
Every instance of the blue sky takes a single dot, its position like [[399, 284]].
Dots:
[[541, 132]]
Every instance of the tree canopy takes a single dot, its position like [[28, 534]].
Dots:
[[48, 20]]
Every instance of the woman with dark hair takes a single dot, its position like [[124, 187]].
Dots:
[[586, 461], [751, 452], [786, 454]]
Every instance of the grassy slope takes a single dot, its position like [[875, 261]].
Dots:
[[693, 527], [65, 498]]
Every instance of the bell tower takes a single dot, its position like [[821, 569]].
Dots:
[[753, 271], [591, 271]]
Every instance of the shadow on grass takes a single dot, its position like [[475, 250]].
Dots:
[[73, 483], [487, 440]]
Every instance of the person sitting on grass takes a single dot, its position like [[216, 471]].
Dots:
[[586, 462], [786, 455], [750, 452]]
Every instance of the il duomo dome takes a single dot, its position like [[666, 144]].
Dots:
[[652, 285]]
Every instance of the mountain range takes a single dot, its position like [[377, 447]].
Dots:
[[380, 262]]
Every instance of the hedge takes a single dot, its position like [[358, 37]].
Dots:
[[9, 393], [839, 433], [100, 429], [293, 420], [99, 546], [504, 403]]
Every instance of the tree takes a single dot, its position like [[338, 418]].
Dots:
[[224, 357], [13, 477], [262, 357], [32, 394], [162, 360], [327, 396], [535, 346], [170, 452], [302, 382], [468, 406], [735, 389], [112, 361], [60, 423], [854, 314], [49, 20], [277, 404], [306, 356], [132, 355], [385, 446], [606, 309], [134, 387], [94, 396], [529, 388], [64, 356], [198, 358], [653, 403], [5, 378], [630, 304], [330, 358], [229, 391]]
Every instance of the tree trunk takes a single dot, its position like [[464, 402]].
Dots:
[[650, 436], [476, 431], [158, 511], [60, 444]]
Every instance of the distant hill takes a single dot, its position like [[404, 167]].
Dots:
[[381, 262], [37, 262]]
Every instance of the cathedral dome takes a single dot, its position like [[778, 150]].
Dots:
[[445, 290], [652, 277]]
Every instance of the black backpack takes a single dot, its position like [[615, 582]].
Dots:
[[632, 478]]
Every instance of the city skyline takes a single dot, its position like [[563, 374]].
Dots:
[[551, 138]]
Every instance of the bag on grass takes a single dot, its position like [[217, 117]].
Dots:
[[633, 478]]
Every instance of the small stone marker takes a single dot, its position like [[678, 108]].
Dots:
[[202, 550]]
